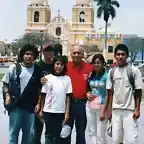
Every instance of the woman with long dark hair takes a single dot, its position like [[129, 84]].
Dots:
[[96, 99], [57, 92]]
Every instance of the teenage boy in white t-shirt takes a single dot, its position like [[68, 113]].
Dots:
[[126, 98], [57, 92]]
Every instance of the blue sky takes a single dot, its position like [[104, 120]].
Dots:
[[13, 14]]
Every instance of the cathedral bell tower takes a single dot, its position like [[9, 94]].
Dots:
[[82, 20], [38, 16]]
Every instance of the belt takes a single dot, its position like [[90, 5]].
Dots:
[[79, 100]]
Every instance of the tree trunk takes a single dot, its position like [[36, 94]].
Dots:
[[105, 41]]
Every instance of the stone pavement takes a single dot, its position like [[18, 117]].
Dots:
[[4, 128]]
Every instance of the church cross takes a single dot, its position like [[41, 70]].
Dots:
[[58, 12]]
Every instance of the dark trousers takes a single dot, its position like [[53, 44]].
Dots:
[[53, 124], [38, 130], [78, 115]]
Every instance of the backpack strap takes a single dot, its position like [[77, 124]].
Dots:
[[112, 75], [130, 76], [18, 72], [18, 69]]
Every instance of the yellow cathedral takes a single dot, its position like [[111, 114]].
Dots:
[[81, 29]]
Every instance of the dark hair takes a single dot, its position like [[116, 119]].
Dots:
[[121, 47], [58, 49], [28, 47], [101, 58], [48, 47], [63, 60]]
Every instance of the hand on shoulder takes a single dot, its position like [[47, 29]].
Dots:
[[44, 80]]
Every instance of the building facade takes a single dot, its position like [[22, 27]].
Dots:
[[81, 29], [59, 28]]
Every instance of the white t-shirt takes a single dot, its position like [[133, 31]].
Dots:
[[123, 97], [56, 89]]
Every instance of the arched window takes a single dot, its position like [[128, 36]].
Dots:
[[58, 31], [82, 17], [36, 16]]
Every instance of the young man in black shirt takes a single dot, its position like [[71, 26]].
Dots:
[[45, 66]]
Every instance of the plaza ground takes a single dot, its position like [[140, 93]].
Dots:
[[4, 124]]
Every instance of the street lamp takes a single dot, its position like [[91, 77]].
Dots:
[[58, 48], [41, 44]]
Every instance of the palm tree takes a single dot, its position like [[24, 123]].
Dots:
[[106, 8]]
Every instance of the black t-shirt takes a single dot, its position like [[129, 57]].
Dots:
[[45, 68]]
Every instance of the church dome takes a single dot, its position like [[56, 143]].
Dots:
[[59, 19], [83, 2]]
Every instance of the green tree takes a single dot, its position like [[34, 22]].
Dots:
[[106, 8], [90, 51], [34, 38], [135, 45]]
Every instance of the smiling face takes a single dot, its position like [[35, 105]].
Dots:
[[121, 58], [58, 67], [28, 57], [98, 65], [77, 54]]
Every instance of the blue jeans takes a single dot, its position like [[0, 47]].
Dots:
[[20, 119], [78, 115]]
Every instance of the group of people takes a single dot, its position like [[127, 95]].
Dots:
[[68, 93]]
